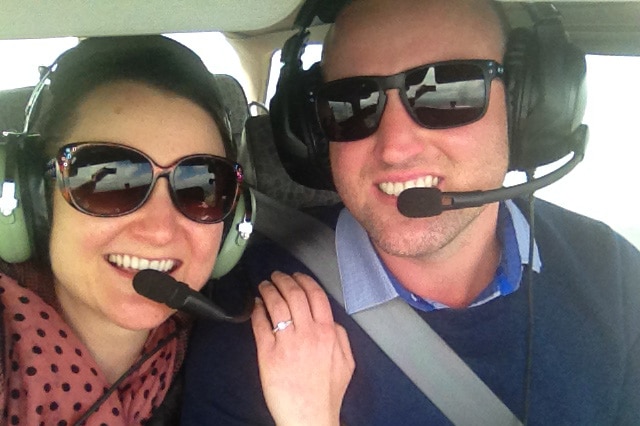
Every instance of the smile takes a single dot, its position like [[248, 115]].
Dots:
[[140, 263], [395, 188]]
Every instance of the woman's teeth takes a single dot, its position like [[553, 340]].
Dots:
[[140, 263], [395, 188]]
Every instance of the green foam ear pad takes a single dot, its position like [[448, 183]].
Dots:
[[14, 237], [234, 244], [15, 242]]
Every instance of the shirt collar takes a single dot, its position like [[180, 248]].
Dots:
[[521, 226], [365, 281]]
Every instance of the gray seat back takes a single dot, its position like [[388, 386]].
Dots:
[[12, 108], [268, 175]]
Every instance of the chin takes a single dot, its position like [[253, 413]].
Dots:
[[145, 316], [409, 245]]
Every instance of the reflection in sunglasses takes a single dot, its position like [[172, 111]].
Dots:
[[108, 180], [437, 96]]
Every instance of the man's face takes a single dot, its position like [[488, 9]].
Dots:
[[384, 38]]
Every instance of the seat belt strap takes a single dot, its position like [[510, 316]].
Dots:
[[403, 335]]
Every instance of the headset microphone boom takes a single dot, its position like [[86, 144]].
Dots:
[[427, 202]]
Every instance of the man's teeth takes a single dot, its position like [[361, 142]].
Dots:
[[140, 263], [395, 188]]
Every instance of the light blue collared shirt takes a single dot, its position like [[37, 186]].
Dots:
[[367, 283]]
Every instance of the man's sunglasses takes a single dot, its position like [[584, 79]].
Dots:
[[437, 96], [110, 180]]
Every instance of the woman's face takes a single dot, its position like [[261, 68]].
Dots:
[[89, 284]]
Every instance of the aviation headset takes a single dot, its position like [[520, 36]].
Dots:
[[25, 213], [544, 82]]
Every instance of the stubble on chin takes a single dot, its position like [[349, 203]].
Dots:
[[399, 236]]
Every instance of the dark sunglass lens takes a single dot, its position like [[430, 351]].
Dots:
[[204, 188], [348, 109], [447, 95], [108, 180]]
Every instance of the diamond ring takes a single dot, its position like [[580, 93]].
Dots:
[[282, 325]]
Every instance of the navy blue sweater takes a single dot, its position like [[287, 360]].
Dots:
[[585, 360]]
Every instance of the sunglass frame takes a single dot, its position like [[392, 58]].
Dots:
[[491, 70], [58, 169]]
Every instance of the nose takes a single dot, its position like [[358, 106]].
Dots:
[[397, 136], [158, 219]]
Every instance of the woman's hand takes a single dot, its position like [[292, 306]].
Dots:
[[305, 365]]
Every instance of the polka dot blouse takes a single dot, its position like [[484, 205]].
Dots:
[[49, 377]]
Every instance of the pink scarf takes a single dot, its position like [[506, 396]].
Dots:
[[49, 375]]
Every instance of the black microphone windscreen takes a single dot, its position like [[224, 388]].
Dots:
[[163, 288], [158, 286], [420, 202]]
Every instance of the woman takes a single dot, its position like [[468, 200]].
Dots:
[[80, 344]]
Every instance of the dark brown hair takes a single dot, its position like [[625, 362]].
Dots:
[[154, 60]]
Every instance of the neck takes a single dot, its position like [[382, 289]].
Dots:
[[113, 348], [458, 272]]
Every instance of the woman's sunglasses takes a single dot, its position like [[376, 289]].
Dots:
[[110, 180], [437, 96]]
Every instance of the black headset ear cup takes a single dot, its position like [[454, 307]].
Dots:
[[545, 93], [236, 235], [24, 233], [301, 145], [519, 86]]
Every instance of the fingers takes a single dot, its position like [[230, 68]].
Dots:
[[305, 369], [294, 296], [317, 299], [306, 300], [261, 324], [277, 307], [345, 346]]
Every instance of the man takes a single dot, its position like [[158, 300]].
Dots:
[[563, 349]]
